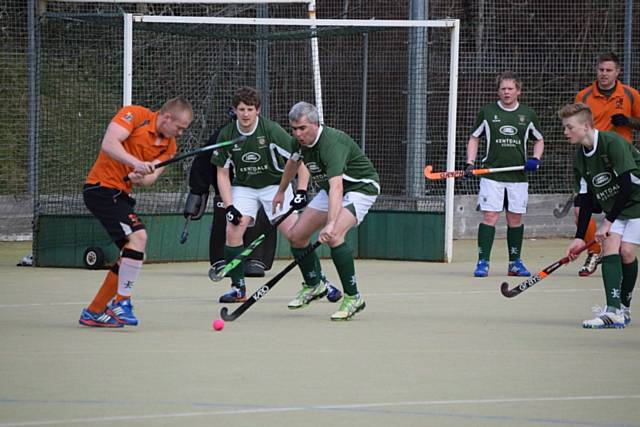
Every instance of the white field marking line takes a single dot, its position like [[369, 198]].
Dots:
[[373, 294], [317, 407]]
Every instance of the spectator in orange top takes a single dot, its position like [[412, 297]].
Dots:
[[615, 107], [135, 141]]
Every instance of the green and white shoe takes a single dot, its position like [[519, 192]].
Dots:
[[349, 307], [308, 294]]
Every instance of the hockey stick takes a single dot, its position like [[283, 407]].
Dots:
[[429, 174], [561, 213], [185, 231], [262, 291], [217, 273], [510, 293], [196, 152]]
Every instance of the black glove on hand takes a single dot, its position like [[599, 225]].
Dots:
[[468, 171], [619, 120], [299, 201], [233, 215]]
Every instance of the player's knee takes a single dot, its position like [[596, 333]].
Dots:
[[138, 240], [627, 253]]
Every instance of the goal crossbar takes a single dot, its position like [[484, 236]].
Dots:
[[444, 23]]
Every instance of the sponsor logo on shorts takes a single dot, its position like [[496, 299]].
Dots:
[[251, 157], [601, 179], [508, 130], [128, 117]]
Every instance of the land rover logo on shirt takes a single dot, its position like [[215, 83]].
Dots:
[[601, 179], [313, 167], [508, 130], [250, 157]]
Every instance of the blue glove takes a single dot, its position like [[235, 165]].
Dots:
[[299, 201], [233, 215], [532, 164]]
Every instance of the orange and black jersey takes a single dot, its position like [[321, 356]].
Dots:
[[624, 100], [144, 142]]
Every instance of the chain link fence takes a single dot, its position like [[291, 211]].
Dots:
[[551, 45]]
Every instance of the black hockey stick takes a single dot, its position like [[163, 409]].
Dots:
[[262, 291], [218, 272], [561, 213], [185, 230], [510, 293], [196, 152]]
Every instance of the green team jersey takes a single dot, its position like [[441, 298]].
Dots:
[[336, 154], [596, 172], [258, 161], [507, 133]]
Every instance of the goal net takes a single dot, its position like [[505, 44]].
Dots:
[[388, 84]]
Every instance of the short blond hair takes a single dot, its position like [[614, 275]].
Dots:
[[508, 75], [579, 109], [176, 105]]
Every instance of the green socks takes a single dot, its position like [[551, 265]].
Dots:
[[486, 233], [237, 274], [629, 276], [309, 265], [514, 241], [343, 260], [612, 277]]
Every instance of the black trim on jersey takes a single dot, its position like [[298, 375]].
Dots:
[[585, 203], [623, 196]]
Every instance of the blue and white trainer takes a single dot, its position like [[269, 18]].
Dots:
[[235, 294], [98, 320], [607, 318], [517, 268], [123, 312], [482, 268]]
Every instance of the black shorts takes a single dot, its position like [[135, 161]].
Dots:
[[114, 209]]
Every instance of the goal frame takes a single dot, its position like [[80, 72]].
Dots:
[[452, 24]]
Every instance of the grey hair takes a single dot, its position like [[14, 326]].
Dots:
[[302, 109]]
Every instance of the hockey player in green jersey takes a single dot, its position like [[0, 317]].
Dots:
[[607, 169], [349, 185], [507, 126]]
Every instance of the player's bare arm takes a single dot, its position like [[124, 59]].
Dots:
[[291, 168], [112, 142], [335, 205], [538, 148], [224, 185]]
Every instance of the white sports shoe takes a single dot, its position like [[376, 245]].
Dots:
[[626, 312], [609, 317]]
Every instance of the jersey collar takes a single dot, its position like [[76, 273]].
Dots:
[[251, 131], [317, 137], [595, 145], [508, 109]]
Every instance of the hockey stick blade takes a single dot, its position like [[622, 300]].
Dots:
[[264, 289], [561, 213], [218, 273], [510, 293]]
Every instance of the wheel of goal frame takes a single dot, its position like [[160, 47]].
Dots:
[[93, 258]]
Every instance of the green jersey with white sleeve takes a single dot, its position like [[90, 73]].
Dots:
[[507, 133], [258, 161], [335, 154], [596, 171]]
